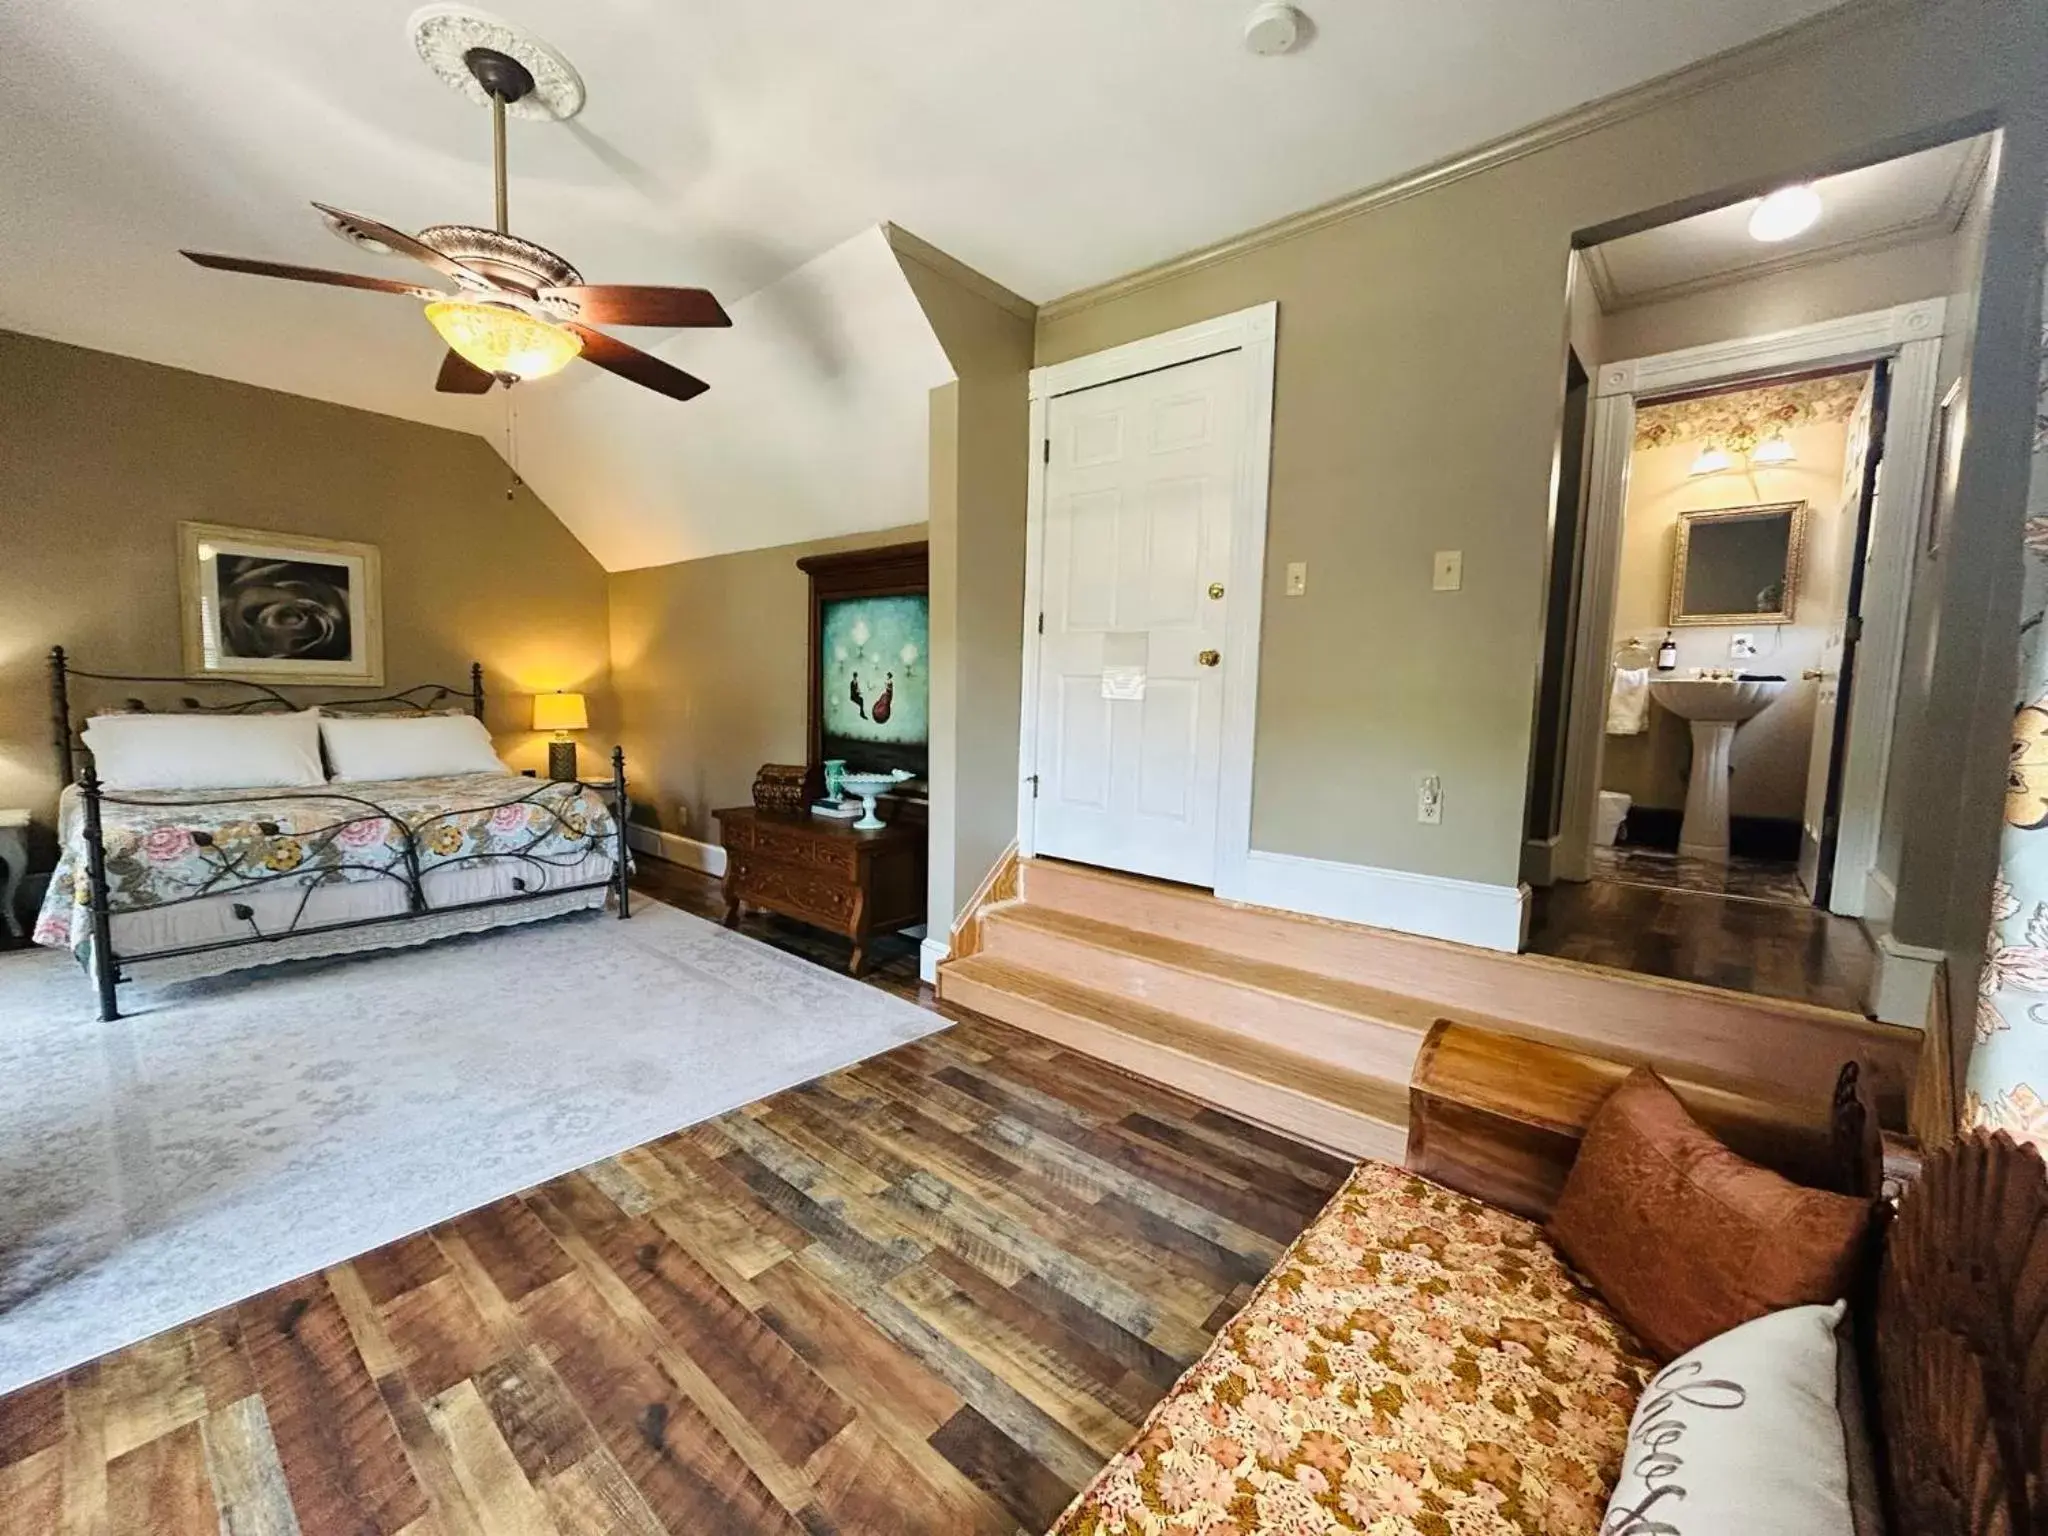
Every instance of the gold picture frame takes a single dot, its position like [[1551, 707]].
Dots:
[[280, 607], [1795, 546]]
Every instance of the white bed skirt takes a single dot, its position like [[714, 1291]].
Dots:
[[449, 891]]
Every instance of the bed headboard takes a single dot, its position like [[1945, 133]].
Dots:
[[238, 696], [1962, 1344]]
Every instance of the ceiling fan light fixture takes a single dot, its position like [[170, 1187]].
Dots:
[[505, 342]]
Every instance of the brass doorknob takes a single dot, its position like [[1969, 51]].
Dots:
[[1210, 658], [1813, 675], [1216, 589]]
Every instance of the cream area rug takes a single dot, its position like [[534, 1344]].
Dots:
[[235, 1133]]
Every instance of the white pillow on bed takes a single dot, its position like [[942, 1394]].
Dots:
[[419, 747], [205, 751]]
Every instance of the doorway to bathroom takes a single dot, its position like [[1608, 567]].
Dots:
[[1734, 572]]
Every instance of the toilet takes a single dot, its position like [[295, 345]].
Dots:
[[1608, 819]]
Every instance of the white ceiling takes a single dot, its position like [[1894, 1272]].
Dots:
[[1049, 143], [1921, 196]]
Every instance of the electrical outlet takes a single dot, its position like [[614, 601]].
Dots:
[[682, 817], [1447, 571], [1429, 801], [1742, 647], [1297, 578]]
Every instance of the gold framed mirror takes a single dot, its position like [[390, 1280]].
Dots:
[[1738, 565]]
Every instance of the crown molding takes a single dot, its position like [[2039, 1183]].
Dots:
[[912, 248], [1715, 69]]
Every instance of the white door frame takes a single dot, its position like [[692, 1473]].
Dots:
[[1910, 334], [1250, 331]]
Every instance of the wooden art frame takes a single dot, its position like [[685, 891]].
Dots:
[[1795, 547], [201, 549], [890, 570]]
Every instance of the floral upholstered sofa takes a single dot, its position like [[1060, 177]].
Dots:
[[1423, 1361], [1418, 1364]]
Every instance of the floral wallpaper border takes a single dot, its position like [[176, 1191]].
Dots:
[[1739, 419]]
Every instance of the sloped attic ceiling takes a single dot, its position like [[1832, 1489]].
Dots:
[[1048, 143], [816, 425]]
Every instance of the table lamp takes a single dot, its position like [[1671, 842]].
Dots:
[[561, 713]]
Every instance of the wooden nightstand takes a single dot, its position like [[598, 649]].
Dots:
[[823, 872]]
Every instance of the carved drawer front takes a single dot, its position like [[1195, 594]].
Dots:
[[737, 833], [793, 847], [790, 890]]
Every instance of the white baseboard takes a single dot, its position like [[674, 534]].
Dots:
[[1463, 911], [1539, 855], [677, 849], [1906, 978], [931, 954]]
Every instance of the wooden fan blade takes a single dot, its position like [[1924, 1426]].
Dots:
[[614, 356], [459, 376], [637, 304], [406, 245], [309, 274]]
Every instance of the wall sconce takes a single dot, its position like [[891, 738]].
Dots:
[[1712, 461], [1773, 453]]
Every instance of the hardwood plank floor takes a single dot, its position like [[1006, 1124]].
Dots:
[[1766, 948], [930, 1293]]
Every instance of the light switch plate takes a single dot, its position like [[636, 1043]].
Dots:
[[1448, 571], [1297, 578]]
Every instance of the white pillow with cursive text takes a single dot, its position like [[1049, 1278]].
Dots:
[[1743, 1434]]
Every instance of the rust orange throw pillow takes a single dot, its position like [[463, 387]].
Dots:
[[1684, 1239]]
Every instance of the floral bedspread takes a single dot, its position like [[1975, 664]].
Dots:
[[215, 844], [1418, 1364]]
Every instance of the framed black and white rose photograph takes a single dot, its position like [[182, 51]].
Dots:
[[280, 607]]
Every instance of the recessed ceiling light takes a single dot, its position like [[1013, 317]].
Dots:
[[1273, 29], [1786, 212]]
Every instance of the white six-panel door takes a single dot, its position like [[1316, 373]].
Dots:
[[1139, 489]]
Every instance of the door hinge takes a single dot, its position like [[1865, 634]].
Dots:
[[1852, 631], [1033, 782], [1048, 450], [1041, 623]]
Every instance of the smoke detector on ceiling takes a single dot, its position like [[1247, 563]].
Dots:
[[446, 36], [1274, 28]]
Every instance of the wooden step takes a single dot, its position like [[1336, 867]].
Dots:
[[1795, 1048], [1348, 1113], [1324, 1018]]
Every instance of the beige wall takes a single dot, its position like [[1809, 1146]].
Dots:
[[710, 666], [979, 452], [1768, 760], [102, 456], [1418, 399]]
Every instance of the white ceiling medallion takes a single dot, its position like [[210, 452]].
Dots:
[[1273, 29], [443, 34]]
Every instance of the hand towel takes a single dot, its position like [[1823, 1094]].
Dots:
[[1628, 702]]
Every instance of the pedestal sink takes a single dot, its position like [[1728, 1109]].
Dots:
[[1715, 707]]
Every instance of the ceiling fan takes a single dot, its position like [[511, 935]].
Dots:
[[518, 311]]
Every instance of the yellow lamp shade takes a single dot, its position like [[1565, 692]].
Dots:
[[503, 341], [560, 712]]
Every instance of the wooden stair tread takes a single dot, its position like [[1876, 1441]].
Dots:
[[1227, 1049], [1195, 897], [1312, 987]]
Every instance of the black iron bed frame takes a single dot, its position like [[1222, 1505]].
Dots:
[[235, 874]]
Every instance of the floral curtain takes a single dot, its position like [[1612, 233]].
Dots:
[[2006, 1081]]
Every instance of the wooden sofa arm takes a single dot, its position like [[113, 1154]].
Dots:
[[1499, 1117]]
